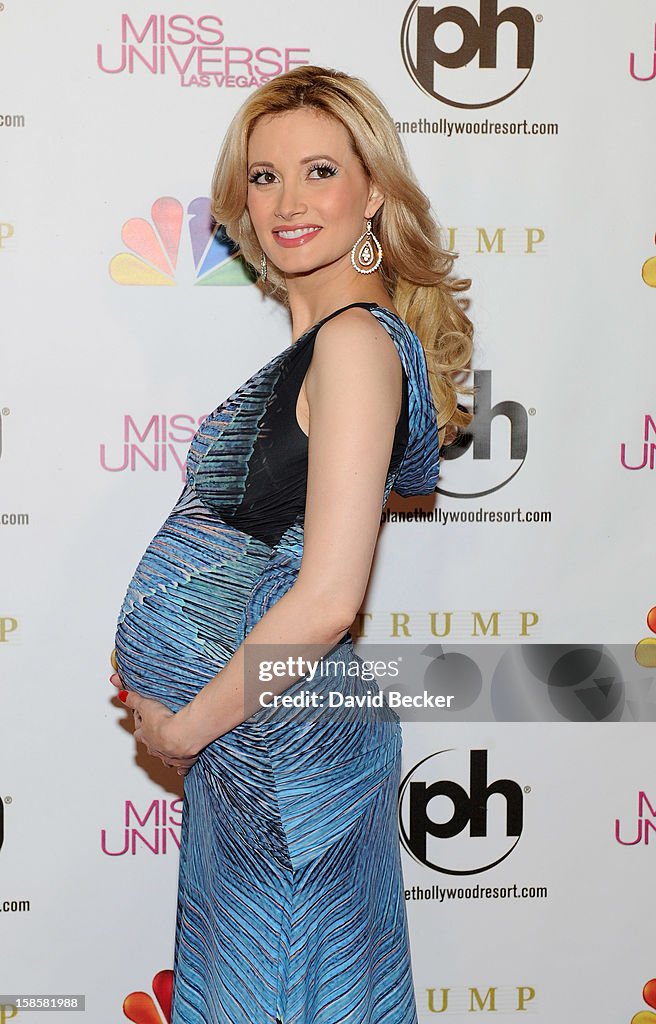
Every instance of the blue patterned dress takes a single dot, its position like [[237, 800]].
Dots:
[[290, 900]]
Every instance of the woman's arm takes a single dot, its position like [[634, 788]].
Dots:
[[353, 387]]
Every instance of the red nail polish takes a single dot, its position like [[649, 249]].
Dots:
[[123, 695]]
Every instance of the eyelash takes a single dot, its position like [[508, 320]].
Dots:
[[322, 165]]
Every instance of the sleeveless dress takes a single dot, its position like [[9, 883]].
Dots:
[[290, 891]]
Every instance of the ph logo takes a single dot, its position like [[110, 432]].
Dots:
[[445, 825], [478, 438], [439, 47]]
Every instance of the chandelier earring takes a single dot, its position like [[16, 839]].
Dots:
[[263, 266], [367, 253]]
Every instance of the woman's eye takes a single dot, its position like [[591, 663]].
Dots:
[[323, 171], [317, 171], [262, 177]]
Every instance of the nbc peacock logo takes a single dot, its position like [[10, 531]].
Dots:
[[649, 996], [155, 256], [649, 268], [141, 1008], [645, 651]]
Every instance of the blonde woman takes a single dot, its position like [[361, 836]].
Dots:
[[291, 902]]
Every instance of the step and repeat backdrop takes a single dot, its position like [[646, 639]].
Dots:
[[525, 586]]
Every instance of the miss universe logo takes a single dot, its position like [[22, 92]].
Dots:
[[641, 826], [195, 50], [643, 69], [157, 443], [643, 453], [156, 830]]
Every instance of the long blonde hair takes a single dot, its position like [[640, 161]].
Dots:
[[416, 267]]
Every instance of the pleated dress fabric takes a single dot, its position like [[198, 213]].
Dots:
[[290, 896]]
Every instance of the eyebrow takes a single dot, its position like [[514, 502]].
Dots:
[[305, 160]]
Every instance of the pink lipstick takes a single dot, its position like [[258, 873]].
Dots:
[[295, 234]]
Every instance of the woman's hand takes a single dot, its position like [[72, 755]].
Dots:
[[156, 728]]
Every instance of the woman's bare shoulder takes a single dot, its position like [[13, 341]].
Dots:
[[356, 324]]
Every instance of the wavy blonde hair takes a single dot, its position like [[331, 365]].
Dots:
[[416, 268]]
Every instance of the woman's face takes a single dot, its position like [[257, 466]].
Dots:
[[308, 194]]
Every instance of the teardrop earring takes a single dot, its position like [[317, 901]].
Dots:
[[367, 253], [263, 266]]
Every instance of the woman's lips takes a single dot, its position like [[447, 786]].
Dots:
[[300, 235]]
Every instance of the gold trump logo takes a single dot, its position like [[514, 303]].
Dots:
[[6, 234], [504, 998], [418, 625], [509, 240], [8, 627]]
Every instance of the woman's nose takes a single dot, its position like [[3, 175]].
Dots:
[[290, 202]]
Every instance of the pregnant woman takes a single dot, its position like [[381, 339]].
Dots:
[[290, 901]]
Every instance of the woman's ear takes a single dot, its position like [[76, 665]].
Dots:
[[376, 200]]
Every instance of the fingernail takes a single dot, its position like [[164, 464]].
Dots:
[[123, 695]]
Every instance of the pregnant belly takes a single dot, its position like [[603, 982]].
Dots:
[[181, 616]]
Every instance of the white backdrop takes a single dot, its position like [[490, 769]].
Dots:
[[557, 230]]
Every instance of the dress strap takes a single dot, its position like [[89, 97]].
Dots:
[[336, 312], [320, 323]]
